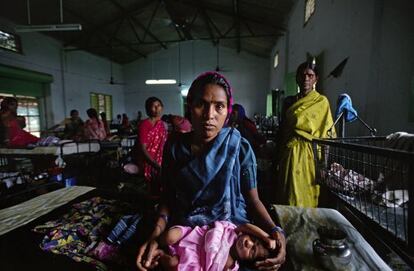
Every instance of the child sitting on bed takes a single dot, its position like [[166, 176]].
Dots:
[[219, 247]]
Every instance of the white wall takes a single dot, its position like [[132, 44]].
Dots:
[[247, 74], [377, 36], [82, 73]]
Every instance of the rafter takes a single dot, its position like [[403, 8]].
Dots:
[[151, 19], [121, 8], [113, 37], [206, 21], [175, 41], [222, 11], [131, 24], [180, 26], [97, 28], [237, 23]]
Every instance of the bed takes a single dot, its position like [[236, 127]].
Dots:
[[301, 224], [65, 148], [19, 244], [369, 178]]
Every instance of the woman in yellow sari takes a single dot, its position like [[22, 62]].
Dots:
[[305, 116]]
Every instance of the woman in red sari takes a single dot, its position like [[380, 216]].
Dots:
[[94, 127], [152, 135], [11, 126]]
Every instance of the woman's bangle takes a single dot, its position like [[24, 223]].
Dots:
[[277, 229]]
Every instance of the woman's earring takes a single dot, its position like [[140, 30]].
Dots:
[[314, 86]]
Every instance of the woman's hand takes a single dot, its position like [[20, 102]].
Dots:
[[147, 257], [275, 263], [270, 243]]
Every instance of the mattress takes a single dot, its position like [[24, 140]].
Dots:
[[65, 149], [23, 213]]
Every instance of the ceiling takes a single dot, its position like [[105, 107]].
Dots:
[[126, 30]]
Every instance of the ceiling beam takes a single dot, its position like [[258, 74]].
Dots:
[[98, 28], [237, 23], [175, 41], [151, 19], [180, 23], [222, 11], [131, 24], [121, 8], [104, 36], [206, 21]]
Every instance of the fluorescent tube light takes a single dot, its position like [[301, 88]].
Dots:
[[161, 82], [48, 27]]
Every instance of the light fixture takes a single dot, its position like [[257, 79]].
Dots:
[[161, 82], [48, 27]]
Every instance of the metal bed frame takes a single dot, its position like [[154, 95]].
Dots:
[[358, 171]]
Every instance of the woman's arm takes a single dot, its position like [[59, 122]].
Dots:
[[148, 157], [263, 218], [147, 252]]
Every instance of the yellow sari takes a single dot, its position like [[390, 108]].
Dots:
[[308, 118]]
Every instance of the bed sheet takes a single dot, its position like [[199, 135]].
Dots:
[[301, 224], [23, 213], [68, 148]]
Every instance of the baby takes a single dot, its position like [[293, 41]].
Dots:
[[220, 247]]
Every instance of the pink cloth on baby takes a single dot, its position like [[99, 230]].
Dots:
[[205, 248]]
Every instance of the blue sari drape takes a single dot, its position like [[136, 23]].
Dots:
[[209, 187]]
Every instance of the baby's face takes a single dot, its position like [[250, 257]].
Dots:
[[250, 248]]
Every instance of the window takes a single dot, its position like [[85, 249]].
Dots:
[[276, 60], [309, 9], [28, 107], [10, 42], [102, 103]]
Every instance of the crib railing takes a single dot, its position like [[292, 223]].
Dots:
[[373, 181]]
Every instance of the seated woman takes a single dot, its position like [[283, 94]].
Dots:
[[152, 135], [219, 247], [209, 174], [246, 127], [105, 123], [11, 126], [94, 127], [74, 126]]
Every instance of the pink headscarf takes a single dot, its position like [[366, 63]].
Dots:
[[204, 79]]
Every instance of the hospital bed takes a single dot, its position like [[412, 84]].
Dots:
[[370, 179]]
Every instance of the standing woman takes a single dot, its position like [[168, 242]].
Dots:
[[209, 174], [94, 127], [305, 116], [151, 139]]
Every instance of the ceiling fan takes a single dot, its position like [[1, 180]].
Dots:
[[111, 78], [180, 83], [218, 68]]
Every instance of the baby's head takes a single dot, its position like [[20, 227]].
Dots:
[[248, 249]]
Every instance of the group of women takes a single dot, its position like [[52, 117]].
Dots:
[[209, 174]]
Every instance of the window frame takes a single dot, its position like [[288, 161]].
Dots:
[[107, 104], [17, 43]]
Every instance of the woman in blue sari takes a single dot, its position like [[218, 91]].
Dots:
[[210, 174]]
